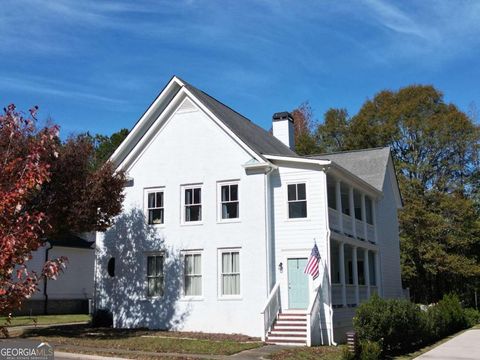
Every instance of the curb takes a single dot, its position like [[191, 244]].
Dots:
[[68, 355]]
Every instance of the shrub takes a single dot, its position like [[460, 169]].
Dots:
[[445, 318], [396, 324], [370, 350], [346, 354], [472, 317], [102, 318]]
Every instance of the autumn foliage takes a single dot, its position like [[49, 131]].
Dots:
[[46, 188]]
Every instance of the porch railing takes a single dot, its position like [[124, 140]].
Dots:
[[360, 229], [347, 224], [334, 219], [370, 233], [351, 297], [337, 294], [363, 292], [271, 309]]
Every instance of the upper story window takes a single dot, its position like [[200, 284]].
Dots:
[[192, 196], [155, 208], [357, 202], [229, 203], [155, 275], [331, 192], [345, 196], [192, 274], [369, 210], [297, 201]]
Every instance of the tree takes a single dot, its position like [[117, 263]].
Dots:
[[435, 147], [25, 156], [105, 146], [332, 134], [46, 188], [304, 122]]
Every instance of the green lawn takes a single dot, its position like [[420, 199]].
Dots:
[[106, 339], [310, 353], [46, 319]]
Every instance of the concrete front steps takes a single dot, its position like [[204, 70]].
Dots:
[[290, 328]]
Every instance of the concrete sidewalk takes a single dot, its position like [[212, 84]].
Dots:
[[465, 346]]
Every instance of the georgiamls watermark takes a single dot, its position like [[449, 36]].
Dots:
[[25, 350]]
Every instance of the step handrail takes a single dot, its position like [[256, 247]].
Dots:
[[271, 309], [310, 309]]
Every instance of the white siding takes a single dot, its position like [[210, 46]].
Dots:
[[388, 238], [189, 149], [74, 282]]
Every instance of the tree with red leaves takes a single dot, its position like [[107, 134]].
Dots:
[[46, 188]]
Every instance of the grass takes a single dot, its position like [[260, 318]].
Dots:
[[310, 353], [107, 339], [46, 319]]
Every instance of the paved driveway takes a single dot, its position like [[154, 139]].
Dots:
[[464, 346]]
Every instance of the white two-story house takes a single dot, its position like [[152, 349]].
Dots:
[[220, 217]]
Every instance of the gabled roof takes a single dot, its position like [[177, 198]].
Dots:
[[257, 138], [370, 165], [71, 240]]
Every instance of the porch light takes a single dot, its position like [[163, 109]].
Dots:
[[280, 267]]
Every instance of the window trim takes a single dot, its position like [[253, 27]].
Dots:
[[220, 252], [183, 206], [192, 297], [287, 202], [146, 256], [150, 190], [220, 203]]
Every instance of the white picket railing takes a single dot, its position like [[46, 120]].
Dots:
[[360, 229], [271, 309], [334, 219], [347, 224], [370, 233]]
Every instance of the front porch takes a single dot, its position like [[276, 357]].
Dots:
[[354, 271]]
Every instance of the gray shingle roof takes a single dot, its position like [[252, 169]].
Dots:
[[370, 164], [257, 138]]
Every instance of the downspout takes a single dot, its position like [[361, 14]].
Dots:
[[327, 225], [268, 225], [45, 304]]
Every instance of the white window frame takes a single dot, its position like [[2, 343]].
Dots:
[[184, 205], [191, 253], [146, 256], [147, 191], [220, 219], [219, 273], [287, 202]]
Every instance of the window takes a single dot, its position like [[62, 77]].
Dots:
[[192, 275], [155, 210], [230, 275], [229, 205], [297, 201], [357, 202], [371, 268], [344, 191], [111, 267], [369, 210], [361, 272], [155, 275], [331, 193], [193, 204], [335, 263]]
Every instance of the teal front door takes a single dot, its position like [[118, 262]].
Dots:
[[297, 284]]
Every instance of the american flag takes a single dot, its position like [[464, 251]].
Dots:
[[312, 264]]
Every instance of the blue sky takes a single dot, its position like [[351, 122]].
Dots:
[[96, 65]]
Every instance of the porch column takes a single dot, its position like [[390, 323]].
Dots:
[[355, 274], [341, 264], [366, 271], [352, 211], [377, 273], [364, 216], [338, 194]]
